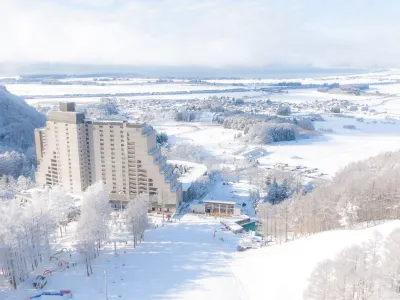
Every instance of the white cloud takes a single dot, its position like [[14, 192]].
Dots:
[[212, 33]]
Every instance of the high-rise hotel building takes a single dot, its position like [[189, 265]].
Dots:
[[75, 152]]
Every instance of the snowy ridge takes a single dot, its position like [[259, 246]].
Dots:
[[17, 121]]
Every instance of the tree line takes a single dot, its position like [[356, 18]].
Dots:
[[29, 225], [363, 192], [367, 271]]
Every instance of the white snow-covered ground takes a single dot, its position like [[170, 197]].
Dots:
[[43, 89], [182, 97], [332, 151], [213, 137], [182, 260], [329, 152], [311, 95], [387, 76]]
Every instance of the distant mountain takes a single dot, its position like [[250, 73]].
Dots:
[[17, 122]]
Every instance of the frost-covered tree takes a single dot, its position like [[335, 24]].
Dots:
[[11, 163], [136, 217], [362, 194], [25, 230], [188, 151], [265, 133], [283, 110], [185, 116], [92, 229], [107, 108], [391, 265], [305, 123], [367, 271], [9, 186], [60, 205], [17, 121], [198, 188]]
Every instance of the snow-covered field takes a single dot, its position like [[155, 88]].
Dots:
[[333, 151], [43, 89], [183, 97], [328, 152], [388, 76]]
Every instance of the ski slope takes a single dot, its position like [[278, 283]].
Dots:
[[182, 260]]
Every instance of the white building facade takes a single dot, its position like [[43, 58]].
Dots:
[[75, 152]]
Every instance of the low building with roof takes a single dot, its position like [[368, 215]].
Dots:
[[222, 208]]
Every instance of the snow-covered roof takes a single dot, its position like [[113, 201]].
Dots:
[[220, 202], [28, 193], [129, 123], [197, 170], [255, 153], [240, 218], [234, 227], [231, 225]]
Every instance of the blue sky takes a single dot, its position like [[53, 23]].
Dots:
[[206, 33]]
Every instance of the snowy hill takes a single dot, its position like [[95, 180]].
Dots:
[[281, 272], [17, 122]]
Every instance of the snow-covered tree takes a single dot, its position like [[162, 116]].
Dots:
[[188, 151], [136, 217], [92, 229], [25, 230], [283, 110], [60, 205], [367, 271], [364, 192], [391, 266]]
